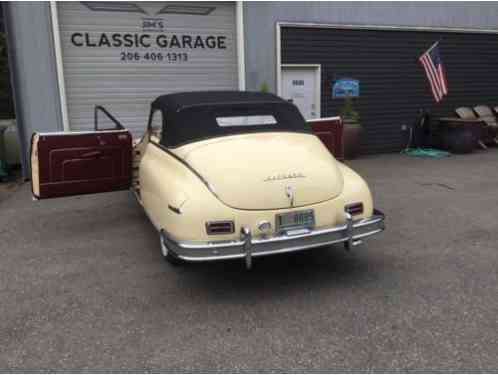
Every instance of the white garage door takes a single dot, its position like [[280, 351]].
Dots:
[[122, 55]]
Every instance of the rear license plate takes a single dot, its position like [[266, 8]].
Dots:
[[295, 219]]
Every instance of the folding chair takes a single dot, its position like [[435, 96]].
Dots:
[[486, 114], [467, 113]]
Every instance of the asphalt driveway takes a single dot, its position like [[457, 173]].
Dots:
[[83, 285]]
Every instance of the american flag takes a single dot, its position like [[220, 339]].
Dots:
[[433, 66]]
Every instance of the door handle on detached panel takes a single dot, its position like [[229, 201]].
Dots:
[[91, 154]]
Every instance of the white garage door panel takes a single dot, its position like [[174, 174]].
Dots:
[[98, 75]]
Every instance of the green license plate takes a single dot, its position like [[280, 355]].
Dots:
[[295, 220]]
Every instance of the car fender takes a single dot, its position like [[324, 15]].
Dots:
[[356, 190], [173, 196]]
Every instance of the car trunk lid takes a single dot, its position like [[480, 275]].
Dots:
[[266, 171]]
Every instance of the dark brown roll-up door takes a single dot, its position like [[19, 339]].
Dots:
[[393, 86]]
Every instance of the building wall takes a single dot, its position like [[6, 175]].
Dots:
[[260, 19], [33, 70], [392, 84], [31, 47]]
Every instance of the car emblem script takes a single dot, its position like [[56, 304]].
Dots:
[[284, 176]]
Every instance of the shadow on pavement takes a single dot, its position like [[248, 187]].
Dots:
[[321, 267]]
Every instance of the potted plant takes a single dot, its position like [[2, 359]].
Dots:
[[352, 129]]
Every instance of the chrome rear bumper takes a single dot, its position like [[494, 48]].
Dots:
[[350, 233]]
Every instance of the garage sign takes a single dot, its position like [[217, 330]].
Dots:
[[168, 48], [346, 87], [147, 40], [152, 43], [123, 54]]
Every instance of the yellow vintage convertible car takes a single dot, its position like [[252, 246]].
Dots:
[[221, 175]]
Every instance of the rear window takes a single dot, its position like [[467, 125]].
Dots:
[[246, 120], [194, 123]]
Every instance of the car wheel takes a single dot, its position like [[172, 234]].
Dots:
[[168, 255]]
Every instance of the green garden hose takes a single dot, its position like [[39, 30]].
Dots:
[[426, 153]]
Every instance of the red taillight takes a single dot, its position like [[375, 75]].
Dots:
[[220, 227], [354, 208]]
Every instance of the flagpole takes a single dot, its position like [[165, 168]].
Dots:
[[423, 111], [432, 47]]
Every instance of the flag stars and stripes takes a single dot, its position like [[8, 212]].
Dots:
[[434, 70]]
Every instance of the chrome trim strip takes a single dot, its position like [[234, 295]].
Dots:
[[186, 164], [367, 234], [248, 247], [322, 119]]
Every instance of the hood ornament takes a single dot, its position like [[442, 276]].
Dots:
[[289, 191]]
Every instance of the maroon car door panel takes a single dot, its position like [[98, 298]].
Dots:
[[329, 130], [64, 164]]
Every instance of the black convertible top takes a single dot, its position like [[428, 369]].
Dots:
[[192, 116], [193, 98]]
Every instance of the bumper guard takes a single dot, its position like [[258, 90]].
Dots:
[[351, 233]]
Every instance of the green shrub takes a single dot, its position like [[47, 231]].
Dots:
[[264, 88], [348, 112]]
